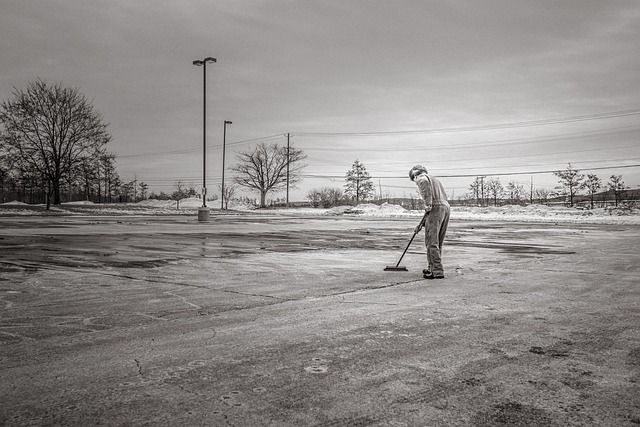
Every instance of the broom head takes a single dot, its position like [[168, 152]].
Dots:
[[395, 268]]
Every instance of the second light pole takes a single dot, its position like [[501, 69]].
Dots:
[[224, 143], [203, 212]]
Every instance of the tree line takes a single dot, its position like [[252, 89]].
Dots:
[[572, 184], [573, 187], [53, 147]]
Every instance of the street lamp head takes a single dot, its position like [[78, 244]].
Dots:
[[228, 122], [204, 61]]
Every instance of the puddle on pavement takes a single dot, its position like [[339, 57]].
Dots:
[[511, 247], [147, 251]]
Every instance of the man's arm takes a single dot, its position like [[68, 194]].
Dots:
[[423, 223], [424, 184]]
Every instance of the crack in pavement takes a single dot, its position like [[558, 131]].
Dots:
[[369, 288], [197, 307]]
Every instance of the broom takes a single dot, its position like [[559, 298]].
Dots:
[[397, 267]]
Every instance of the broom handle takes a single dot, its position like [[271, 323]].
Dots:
[[412, 237]]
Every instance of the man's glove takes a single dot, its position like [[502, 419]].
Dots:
[[422, 223]]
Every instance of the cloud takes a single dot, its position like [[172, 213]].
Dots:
[[331, 66]]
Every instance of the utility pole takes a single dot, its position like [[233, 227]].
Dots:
[[531, 191], [482, 189], [288, 136]]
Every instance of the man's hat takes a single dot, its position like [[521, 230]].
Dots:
[[416, 170]]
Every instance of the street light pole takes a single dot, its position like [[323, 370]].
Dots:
[[288, 169], [203, 213], [224, 143]]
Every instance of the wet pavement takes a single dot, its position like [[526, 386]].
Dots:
[[255, 319]]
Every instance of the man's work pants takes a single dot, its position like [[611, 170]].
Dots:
[[435, 231]]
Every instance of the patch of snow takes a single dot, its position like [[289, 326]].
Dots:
[[240, 206], [154, 203], [369, 209], [513, 213], [192, 203], [83, 202], [15, 202]]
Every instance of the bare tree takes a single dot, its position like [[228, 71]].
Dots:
[[89, 175], [474, 190], [314, 197], [229, 193], [264, 169], [570, 182], [618, 187], [181, 192], [494, 189], [515, 192], [592, 184], [542, 194], [49, 129]]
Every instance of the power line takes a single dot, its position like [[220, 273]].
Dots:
[[530, 123], [193, 150], [571, 119], [493, 158], [475, 174], [514, 156], [322, 176], [622, 130], [539, 172]]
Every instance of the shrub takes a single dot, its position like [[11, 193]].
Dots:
[[325, 197]]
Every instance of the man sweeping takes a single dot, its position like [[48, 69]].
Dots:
[[437, 219]]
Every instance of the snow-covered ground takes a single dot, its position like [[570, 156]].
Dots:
[[514, 213], [531, 213]]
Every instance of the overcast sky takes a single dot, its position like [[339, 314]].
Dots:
[[465, 88]]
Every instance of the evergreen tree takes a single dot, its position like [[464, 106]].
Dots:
[[359, 186]]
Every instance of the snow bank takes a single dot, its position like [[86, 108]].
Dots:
[[189, 206], [542, 213], [369, 209], [14, 203], [153, 203], [512, 213], [192, 203], [84, 202]]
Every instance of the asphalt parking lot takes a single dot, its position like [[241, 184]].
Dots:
[[267, 320]]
